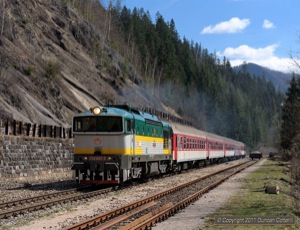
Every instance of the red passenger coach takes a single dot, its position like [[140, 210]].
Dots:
[[191, 146], [229, 150], [188, 144]]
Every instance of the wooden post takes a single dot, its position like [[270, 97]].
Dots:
[[28, 129], [6, 127], [15, 128]]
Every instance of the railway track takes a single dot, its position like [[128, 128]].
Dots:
[[17, 207], [35, 203], [145, 212]]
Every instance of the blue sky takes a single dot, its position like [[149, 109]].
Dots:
[[265, 32]]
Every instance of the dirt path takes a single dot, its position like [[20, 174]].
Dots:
[[194, 216]]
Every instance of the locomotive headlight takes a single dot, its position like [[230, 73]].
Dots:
[[96, 110]]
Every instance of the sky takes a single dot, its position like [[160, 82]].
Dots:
[[264, 32]]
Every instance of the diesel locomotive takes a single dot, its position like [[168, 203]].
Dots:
[[117, 144]]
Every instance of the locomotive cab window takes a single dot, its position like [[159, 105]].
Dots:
[[109, 124]]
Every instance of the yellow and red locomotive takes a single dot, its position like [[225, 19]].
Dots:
[[115, 144]]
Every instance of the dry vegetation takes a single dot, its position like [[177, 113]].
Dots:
[[295, 170], [54, 62]]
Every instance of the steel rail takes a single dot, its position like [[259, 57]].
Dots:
[[102, 218], [23, 201], [43, 205], [164, 214]]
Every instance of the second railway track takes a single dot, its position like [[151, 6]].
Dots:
[[143, 213], [21, 206]]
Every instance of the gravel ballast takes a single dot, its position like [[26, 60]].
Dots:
[[194, 216], [61, 216]]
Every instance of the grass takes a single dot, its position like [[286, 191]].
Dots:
[[252, 201]]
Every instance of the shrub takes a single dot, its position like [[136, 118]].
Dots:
[[52, 69], [30, 70]]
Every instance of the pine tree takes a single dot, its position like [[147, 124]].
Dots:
[[291, 114]]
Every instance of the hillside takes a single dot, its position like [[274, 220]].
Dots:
[[280, 80], [60, 57], [47, 69]]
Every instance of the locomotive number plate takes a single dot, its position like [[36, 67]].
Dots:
[[97, 158]]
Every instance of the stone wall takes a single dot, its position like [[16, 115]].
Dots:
[[26, 156]]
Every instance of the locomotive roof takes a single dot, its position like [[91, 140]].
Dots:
[[105, 111], [124, 111]]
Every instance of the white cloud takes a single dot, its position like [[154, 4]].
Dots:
[[234, 25], [267, 24], [247, 52], [261, 56]]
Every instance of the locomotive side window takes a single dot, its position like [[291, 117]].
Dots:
[[154, 132], [128, 126]]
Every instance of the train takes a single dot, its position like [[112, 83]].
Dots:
[[255, 155], [116, 144]]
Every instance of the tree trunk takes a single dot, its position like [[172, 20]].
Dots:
[[3, 10]]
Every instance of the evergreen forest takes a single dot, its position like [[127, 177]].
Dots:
[[187, 77], [290, 130]]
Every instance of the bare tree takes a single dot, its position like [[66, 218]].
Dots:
[[3, 14], [294, 56], [112, 3], [109, 20]]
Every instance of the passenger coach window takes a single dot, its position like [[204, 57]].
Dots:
[[179, 146]]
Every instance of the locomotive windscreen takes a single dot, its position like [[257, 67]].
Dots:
[[98, 124]]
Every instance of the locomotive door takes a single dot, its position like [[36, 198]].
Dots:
[[132, 144], [133, 137], [129, 128]]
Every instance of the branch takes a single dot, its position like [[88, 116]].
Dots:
[[295, 60]]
